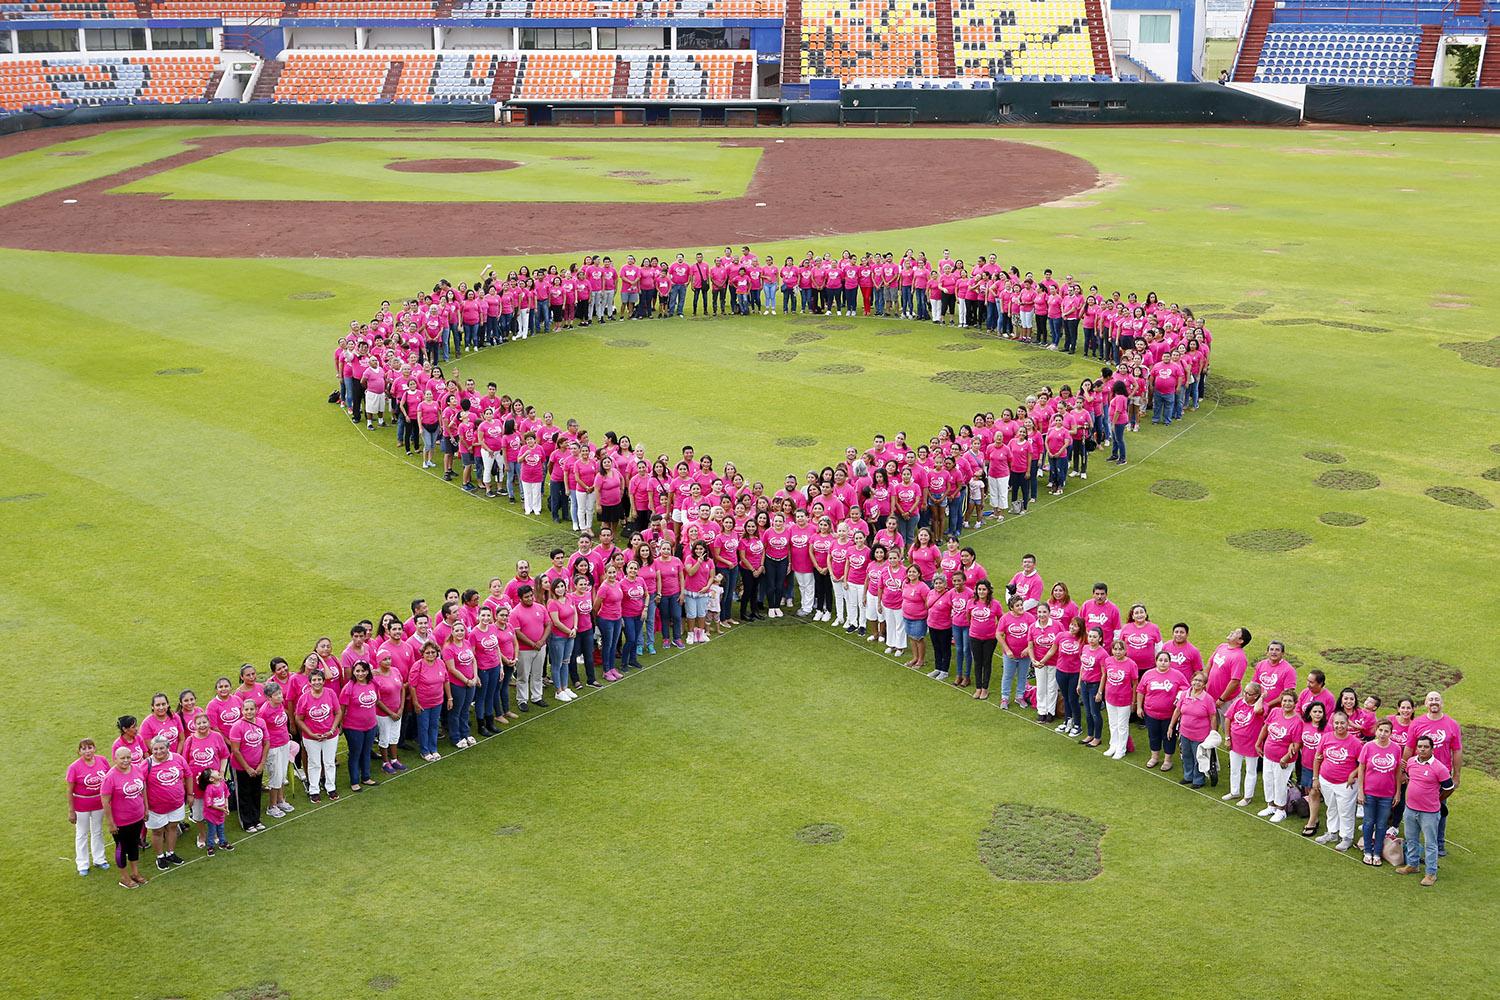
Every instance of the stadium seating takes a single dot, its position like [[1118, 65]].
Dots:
[[873, 38], [357, 77], [425, 9], [217, 8], [105, 80], [1348, 54], [54, 9], [573, 76], [996, 38], [429, 77], [647, 10], [690, 76]]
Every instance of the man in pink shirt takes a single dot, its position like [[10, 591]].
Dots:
[[1447, 748]]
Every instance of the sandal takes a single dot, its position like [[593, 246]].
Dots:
[[1310, 831]]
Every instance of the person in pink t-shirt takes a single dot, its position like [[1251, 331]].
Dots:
[[1428, 783], [1279, 746], [1336, 768], [214, 794], [1242, 723], [166, 800], [1119, 679], [122, 798], [1193, 716], [1156, 701], [85, 776], [1379, 774]]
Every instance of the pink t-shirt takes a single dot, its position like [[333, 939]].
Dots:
[[1017, 632], [216, 802], [202, 753], [1281, 732], [251, 737], [1381, 764], [85, 780], [1445, 733], [1120, 678], [1340, 757], [1226, 665], [1198, 713], [165, 788], [1159, 691], [984, 619], [914, 600], [127, 794], [1245, 725], [359, 702], [319, 712], [1423, 781]]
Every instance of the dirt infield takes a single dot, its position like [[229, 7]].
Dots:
[[803, 187], [456, 166]]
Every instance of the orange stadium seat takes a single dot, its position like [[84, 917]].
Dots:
[[105, 79]]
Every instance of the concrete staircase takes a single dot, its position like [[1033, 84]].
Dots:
[[392, 80], [1489, 70], [1254, 40], [1421, 75], [265, 85], [505, 81], [943, 16], [791, 43], [212, 87], [1099, 38]]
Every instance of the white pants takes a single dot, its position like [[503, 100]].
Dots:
[[849, 603], [531, 498], [1046, 690], [960, 307], [1119, 727], [997, 491], [277, 759], [1276, 777], [88, 839], [387, 731], [804, 593], [375, 404], [488, 458], [1338, 799], [523, 323], [1248, 765], [529, 664], [873, 612], [583, 510], [895, 628], [321, 769], [936, 309]]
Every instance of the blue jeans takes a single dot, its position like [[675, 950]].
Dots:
[[1117, 444], [512, 480], [559, 652], [647, 641], [731, 574], [631, 655], [471, 335], [609, 638], [676, 299], [955, 526], [963, 653], [427, 728], [1013, 674], [458, 718], [671, 617], [1067, 686], [1054, 327], [768, 295], [489, 693], [583, 648], [1377, 815], [773, 582], [214, 837], [1161, 408], [1091, 708], [1178, 401], [1421, 838], [1190, 770], [906, 300], [361, 745], [908, 527], [557, 500]]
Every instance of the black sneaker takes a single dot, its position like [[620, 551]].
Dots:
[[524, 707], [539, 703], [162, 864], [226, 847], [173, 859]]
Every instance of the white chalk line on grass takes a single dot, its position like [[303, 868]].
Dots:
[[449, 754], [1155, 772]]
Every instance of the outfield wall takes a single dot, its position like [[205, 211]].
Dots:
[[1077, 104]]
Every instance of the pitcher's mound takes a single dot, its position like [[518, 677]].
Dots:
[[450, 166]]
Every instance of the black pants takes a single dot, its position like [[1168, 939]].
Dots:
[[1018, 491], [1070, 336], [700, 294], [411, 435], [247, 792], [357, 402], [718, 299], [1156, 731], [984, 660], [750, 603], [949, 305], [942, 648], [773, 582], [822, 592], [1067, 686], [128, 842]]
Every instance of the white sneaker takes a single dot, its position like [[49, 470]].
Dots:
[[274, 813], [932, 674], [1073, 473], [1326, 838], [803, 613], [1083, 475], [869, 638], [1344, 845], [1227, 796], [838, 623], [1278, 815], [1242, 803], [287, 807], [1268, 810], [691, 639], [942, 675], [1063, 728]]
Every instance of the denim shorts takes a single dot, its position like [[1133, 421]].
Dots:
[[694, 605], [916, 628]]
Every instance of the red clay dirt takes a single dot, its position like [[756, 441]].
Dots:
[[450, 166], [808, 186]]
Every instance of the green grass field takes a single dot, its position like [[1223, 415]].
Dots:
[[178, 498], [546, 171]]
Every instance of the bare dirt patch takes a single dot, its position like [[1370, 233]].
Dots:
[[510, 830], [1492, 474], [1081, 199], [805, 200], [22, 497], [455, 165], [551, 540], [1482, 746], [310, 296], [384, 983], [179, 371], [1025, 843]]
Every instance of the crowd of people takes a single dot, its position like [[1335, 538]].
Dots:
[[671, 554]]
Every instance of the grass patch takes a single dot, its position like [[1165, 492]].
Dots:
[[806, 337], [776, 357], [384, 983], [1270, 540], [840, 370], [1027, 843], [1482, 748], [627, 343], [1347, 479], [1477, 352], [1341, 519], [1493, 474], [309, 296], [994, 382], [820, 833], [959, 347], [1457, 496], [1326, 457], [1179, 489], [1394, 676], [796, 441]]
